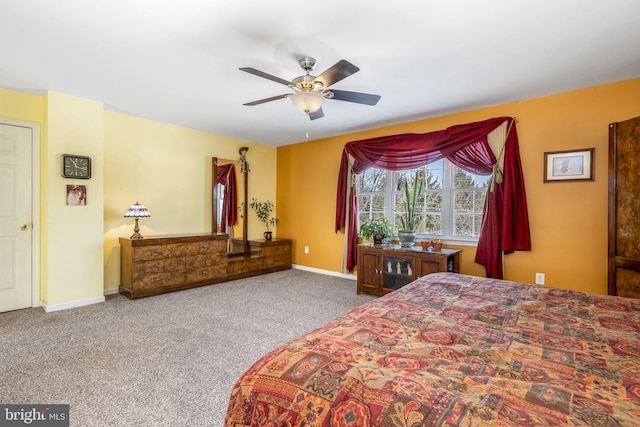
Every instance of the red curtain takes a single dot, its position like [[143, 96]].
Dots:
[[227, 176], [505, 224]]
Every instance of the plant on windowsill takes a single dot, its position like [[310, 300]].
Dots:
[[412, 190], [376, 229], [263, 211]]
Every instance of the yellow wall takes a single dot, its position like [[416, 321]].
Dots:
[[568, 219], [165, 167], [21, 106], [72, 236], [168, 169]]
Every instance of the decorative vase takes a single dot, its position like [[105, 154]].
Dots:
[[268, 235], [425, 245], [377, 239], [406, 238], [437, 245]]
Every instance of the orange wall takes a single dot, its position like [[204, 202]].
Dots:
[[568, 219]]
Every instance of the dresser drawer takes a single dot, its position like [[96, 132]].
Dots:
[[212, 246], [245, 265], [165, 265], [145, 253], [276, 261], [279, 250], [205, 273], [151, 281], [198, 261]]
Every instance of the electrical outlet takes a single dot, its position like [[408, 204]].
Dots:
[[306, 249], [539, 278]]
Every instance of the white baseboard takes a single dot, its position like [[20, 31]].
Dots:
[[111, 291], [327, 272], [72, 304]]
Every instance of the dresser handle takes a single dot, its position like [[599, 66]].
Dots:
[[205, 246], [205, 272], [205, 258], [158, 265], [157, 279], [158, 251]]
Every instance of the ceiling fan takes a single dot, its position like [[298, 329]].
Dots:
[[309, 92]]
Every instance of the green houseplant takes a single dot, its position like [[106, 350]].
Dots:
[[412, 190], [376, 229], [263, 211]]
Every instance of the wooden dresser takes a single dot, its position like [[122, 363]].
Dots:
[[264, 256], [382, 269], [156, 265]]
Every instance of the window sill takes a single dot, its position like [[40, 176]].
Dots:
[[451, 241], [473, 243]]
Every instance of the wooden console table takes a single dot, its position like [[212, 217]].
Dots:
[[156, 265], [382, 269]]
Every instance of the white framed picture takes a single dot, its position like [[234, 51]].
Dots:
[[570, 165]]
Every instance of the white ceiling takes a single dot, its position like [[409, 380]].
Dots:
[[177, 61]]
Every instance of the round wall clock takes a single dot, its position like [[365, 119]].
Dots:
[[74, 166]]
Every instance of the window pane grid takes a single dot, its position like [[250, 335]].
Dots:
[[469, 195], [450, 206]]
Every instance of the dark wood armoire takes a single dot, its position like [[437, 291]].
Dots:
[[624, 208]]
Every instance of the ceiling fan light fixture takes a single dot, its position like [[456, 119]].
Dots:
[[307, 102], [309, 92]]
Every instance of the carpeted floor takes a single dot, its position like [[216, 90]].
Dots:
[[167, 360]]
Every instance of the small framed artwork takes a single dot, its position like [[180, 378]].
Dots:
[[76, 195], [570, 165]]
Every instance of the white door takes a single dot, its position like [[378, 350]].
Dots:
[[16, 226]]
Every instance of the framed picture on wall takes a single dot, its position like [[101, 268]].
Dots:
[[570, 165], [76, 195]]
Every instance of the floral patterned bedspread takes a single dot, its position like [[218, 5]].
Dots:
[[455, 350]]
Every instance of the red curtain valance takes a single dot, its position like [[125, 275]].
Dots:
[[505, 224]]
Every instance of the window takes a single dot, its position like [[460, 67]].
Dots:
[[450, 206]]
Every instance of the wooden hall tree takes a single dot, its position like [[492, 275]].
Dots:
[[624, 208]]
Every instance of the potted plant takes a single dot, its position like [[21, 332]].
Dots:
[[437, 244], [412, 190], [263, 211], [376, 229]]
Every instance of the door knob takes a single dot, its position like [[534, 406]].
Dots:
[[24, 227]]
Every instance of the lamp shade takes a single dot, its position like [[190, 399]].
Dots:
[[137, 211], [307, 102]]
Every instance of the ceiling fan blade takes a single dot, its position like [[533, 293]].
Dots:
[[357, 97], [265, 75], [318, 114], [262, 101], [342, 69]]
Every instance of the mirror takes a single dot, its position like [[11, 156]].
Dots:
[[229, 184]]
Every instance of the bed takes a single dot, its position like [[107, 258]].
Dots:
[[455, 350]]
